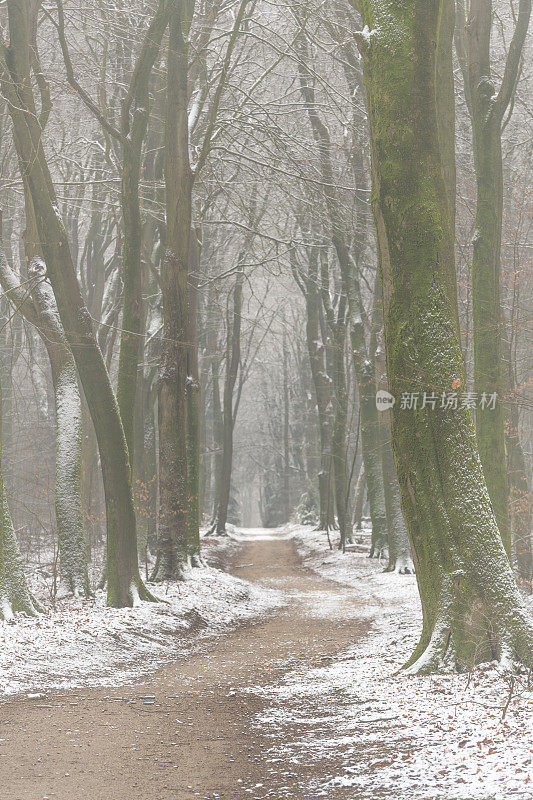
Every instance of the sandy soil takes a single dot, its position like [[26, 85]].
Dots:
[[185, 731]]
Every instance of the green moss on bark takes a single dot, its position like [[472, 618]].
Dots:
[[472, 610]]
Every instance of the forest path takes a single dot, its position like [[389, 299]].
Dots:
[[187, 731]]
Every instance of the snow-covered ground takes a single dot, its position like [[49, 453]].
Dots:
[[376, 732], [84, 643], [391, 735]]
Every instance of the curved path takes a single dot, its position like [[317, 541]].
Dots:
[[186, 732]]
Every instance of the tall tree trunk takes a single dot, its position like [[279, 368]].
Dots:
[[520, 500], [336, 321], [15, 596], [70, 525], [40, 309], [321, 383], [124, 582], [286, 429], [520, 505], [400, 559], [233, 358], [8, 358], [135, 112], [359, 499], [472, 608], [179, 178], [10, 341], [193, 408], [365, 369], [213, 358], [338, 438], [144, 457], [487, 107], [363, 361], [134, 122], [486, 307], [131, 333], [218, 436]]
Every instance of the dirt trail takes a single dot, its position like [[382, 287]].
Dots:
[[184, 732]]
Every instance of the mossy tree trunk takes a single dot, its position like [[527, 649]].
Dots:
[[520, 500], [520, 505], [487, 107], [472, 608], [179, 180], [124, 582]]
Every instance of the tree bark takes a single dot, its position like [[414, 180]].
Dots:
[[363, 361], [179, 179], [338, 437], [70, 525], [520, 500], [472, 609], [193, 408], [37, 304], [365, 366], [309, 285], [134, 123], [218, 435], [487, 108], [233, 357], [124, 582], [520, 503], [337, 322], [15, 596], [359, 500], [400, 559], [286, 429]]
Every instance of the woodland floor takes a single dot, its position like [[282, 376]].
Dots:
[[233, 721]]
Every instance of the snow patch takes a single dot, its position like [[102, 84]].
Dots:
[[380, 732], [84, 643]]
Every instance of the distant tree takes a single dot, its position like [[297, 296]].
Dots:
[[175, 487], [488, 108]]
